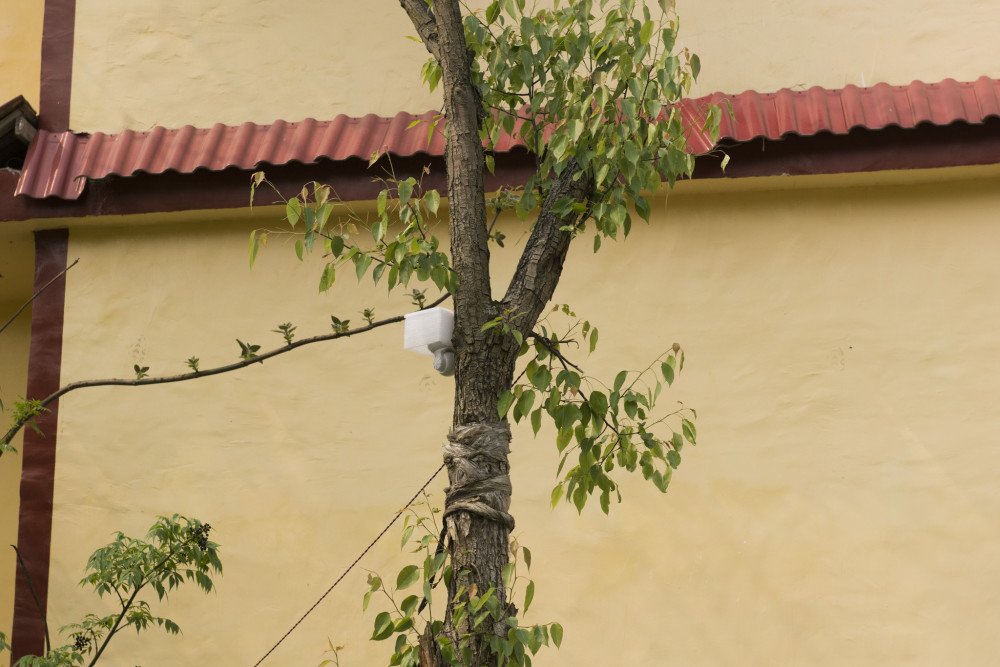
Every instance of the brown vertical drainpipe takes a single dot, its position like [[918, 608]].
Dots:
[[38, 451], [58, 30]]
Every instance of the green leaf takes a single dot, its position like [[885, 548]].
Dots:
[[579, 498], [407, 533], [557, 493], [381, 201], [676, 441], [668, 372], [529, 595], [527, 556], [254, 247], [507, 574], [673, 458], [383, 626], [525, 403], [405, 189], [293, 211], [631, 406], [536, 420], [432, 200], [690, 433], [564, 436], [329, 275], [695, 66], [646, 33], [361, 262], [593, 340], [642, 207], [298, 249], [598, 403], [542, 378], [492, 12], [506, 400], [337, 245], [379, 228], [407, 576], [556, 631], [491, 164], [620, 380], [377, 273]]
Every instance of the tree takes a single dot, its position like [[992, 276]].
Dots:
[[592, 91], [591, 97], [177, 550]]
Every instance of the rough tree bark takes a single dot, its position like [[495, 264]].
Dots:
[[476, 518]]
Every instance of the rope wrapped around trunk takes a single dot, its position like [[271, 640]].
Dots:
[[476, 456]]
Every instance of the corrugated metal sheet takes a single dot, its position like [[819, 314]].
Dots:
[[773, 115], [60, 164]]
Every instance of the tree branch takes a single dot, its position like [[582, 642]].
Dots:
[[425, 24], [31, 585], [464, 166], [260, 358], [128, 605], [540, 267]]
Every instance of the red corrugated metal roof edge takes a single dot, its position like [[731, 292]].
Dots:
[[59, 164]]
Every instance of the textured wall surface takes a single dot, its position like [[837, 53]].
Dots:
[[142, 63], [20, 49], [770, 44], [840, 509], [17, 256], [13, 378]]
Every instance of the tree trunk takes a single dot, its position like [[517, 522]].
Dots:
[[478, 498], [476, 514]]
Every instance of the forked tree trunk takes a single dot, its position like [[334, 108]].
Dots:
[[476, 509], [476, 516]]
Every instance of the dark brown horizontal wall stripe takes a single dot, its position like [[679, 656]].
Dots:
[[38, 452], [860, 150], [57, 65]]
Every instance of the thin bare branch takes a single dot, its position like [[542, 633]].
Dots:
[[31, 585], [260, 358]]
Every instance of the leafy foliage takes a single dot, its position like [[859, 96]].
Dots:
[[603, 426], [592, 87], [287, 332], [247, 350], [24, 412], [407, 613], [176, 550], [402, 204]]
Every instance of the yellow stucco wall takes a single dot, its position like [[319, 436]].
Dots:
[[841, 509], [16, 271], [141, 63], [20, 49], [13, 378]]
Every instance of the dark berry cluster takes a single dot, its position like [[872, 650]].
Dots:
[[81, 642], [201, 534]]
